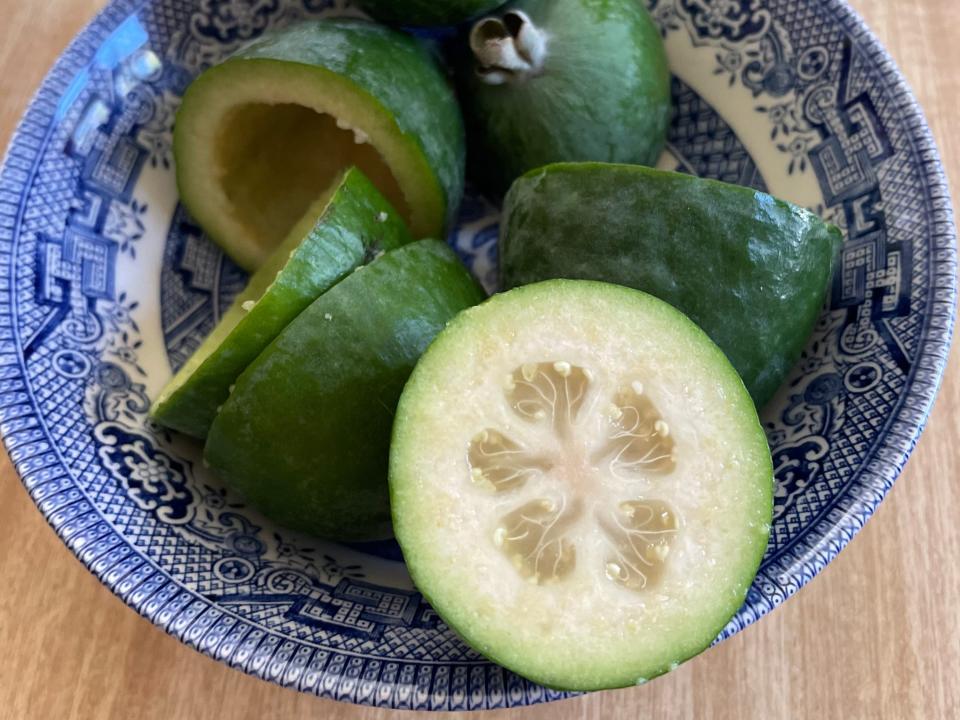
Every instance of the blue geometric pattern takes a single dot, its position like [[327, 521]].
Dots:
[[705, 145], [105, 279]]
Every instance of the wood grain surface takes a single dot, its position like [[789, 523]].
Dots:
[[877, 635]]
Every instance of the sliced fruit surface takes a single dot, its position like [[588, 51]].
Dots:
[[259, 137], [750, 269], [548, 81], [305, 434], [580, 483], [424, 13], [343, 229]]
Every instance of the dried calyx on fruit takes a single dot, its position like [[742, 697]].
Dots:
[[507, 49]]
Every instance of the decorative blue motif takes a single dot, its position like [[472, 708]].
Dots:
[[79, 261], [731, 20], [152, 480], [704, 144], [225, 22], [196, 285], [106, 281]]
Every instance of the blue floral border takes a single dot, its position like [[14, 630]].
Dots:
[[196, 621]]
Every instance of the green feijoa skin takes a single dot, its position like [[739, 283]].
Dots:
[[427, 13], [547, 81], [305, 434], [580, 484], [751, 270], [261, 135], [343, 229]]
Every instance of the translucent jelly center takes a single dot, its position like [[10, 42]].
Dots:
[[539, 536]]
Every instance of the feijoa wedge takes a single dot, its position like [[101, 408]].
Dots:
[[580, 484], [259, 137], [549, 81], [423, 13], [337, 234], [305, 434], [750, 269]]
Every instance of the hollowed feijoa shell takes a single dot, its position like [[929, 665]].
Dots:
[[305, 434], [580, 484], [261, 135]]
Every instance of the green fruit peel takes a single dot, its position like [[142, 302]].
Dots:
[[338, 233], [305, 434], [750, 269]]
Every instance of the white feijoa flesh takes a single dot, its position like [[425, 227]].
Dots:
[[580, 483]]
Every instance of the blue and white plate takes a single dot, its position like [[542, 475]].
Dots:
[[107, 285]]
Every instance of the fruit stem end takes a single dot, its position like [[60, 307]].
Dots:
[[507, 49]]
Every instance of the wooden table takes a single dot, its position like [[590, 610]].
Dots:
[[877, 635]]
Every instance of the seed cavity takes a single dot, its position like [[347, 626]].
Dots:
[[557, 390], [528, 371], [639, 441], [499, 464], [533, 539], [537, 536], [641, 534]]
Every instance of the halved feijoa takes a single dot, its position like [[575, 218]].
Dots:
[[580, 484], [423, 13], [562, 80], [337, 234], [305, 434], [264, 133], [750, 269]]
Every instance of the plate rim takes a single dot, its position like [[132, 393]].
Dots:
[[894, 447]]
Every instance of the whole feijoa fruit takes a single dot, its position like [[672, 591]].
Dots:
[[546, 81]]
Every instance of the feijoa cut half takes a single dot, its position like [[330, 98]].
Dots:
[[305, 434], [427, 13], [548, 81], [342, 230], [751, 270], [260, 136], [580, 484]]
